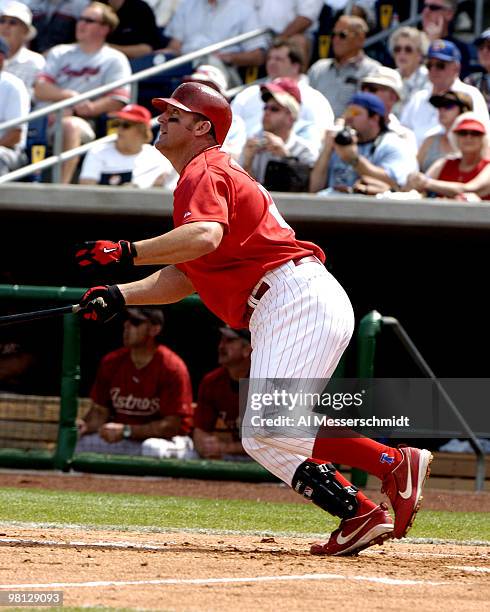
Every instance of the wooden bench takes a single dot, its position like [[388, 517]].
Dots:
[[31, 421]]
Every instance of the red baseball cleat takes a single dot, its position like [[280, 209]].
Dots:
[[357, 533], [404, 487]]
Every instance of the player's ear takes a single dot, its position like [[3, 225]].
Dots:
[[203, 127]]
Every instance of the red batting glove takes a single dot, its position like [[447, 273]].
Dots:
[[105, 252], [111, 304]]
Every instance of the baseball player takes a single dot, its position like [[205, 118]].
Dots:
[[231, 245]]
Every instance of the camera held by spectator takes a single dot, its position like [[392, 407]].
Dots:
[[345, 136]]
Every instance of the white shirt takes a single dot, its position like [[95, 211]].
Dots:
[[197, 24], [277, 14], [420, 116], [26, 65], [145, 166], [14, 103], [315, 110]]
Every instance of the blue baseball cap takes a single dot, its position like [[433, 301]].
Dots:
[[444, 50], [4, 48], [370, 102]]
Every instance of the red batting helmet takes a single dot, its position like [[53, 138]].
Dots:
[[200, 98]]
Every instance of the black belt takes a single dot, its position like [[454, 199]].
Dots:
[[264, 287]]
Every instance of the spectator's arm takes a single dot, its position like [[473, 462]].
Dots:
[[423, 150], [297, 26], [50, 92], [365, 167], [87, 181], [11, 137], [255, 57], [249, 151], [133, 51], [95, 108], [174, 46], [94, 419]]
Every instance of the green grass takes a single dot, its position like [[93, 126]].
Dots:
[[133, 511]]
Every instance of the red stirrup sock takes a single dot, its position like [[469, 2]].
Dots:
[[365, 504], [363, 453]]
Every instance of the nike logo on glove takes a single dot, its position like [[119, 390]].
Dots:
[[106, 250], [340, 538]]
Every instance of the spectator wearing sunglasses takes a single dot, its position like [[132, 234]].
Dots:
[[481, 80], [408, 47], [277, 140], [449, 105], [386, 83], [55, 22], [130, 159], [447, 176], [371, 160], [438, 23], [443, 64], [78, 68], [141, 397], [338, 78]]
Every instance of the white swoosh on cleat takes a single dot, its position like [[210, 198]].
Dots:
[[340, 538], [408, 491]]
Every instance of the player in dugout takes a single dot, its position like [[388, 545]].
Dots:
[[231, 245]]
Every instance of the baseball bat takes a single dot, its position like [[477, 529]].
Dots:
[[48, 312]]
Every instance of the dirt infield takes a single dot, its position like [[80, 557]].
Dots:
[[196, 572], [209, 572]]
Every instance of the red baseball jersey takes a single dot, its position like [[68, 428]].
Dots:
[[213, 187], [218, 404], [137, 396]]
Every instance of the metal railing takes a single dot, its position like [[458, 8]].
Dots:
[[58, 107], [369, 328]]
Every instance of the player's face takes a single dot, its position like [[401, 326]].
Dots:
[[176, 129], [136, 332], [231, 351]]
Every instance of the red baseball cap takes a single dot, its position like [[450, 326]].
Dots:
[[134, 112], [470, 124], [283, 85]]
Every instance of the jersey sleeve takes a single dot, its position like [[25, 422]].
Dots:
[[208, 199]]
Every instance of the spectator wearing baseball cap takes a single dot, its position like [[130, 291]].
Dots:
[[438, 23], [286, 60], [141, 397], [14, 104], [17, 30], [369, 158], [443, 64], [130, 159], [216, 78], [216, 418], [481, 79], [449, 105], [469, 172], [387, 84], [277, 142]]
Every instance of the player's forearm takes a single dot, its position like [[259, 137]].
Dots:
[[95, 418], [166, 286], [165, 428], [182, 244]]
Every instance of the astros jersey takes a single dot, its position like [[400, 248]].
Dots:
[[218, 404], [137, 396], [213, 187]]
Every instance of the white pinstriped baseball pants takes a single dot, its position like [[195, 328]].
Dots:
[[299, 330]]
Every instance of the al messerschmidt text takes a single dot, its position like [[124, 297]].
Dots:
[[322, 419]]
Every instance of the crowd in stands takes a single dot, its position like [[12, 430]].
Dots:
[[330, 115]]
